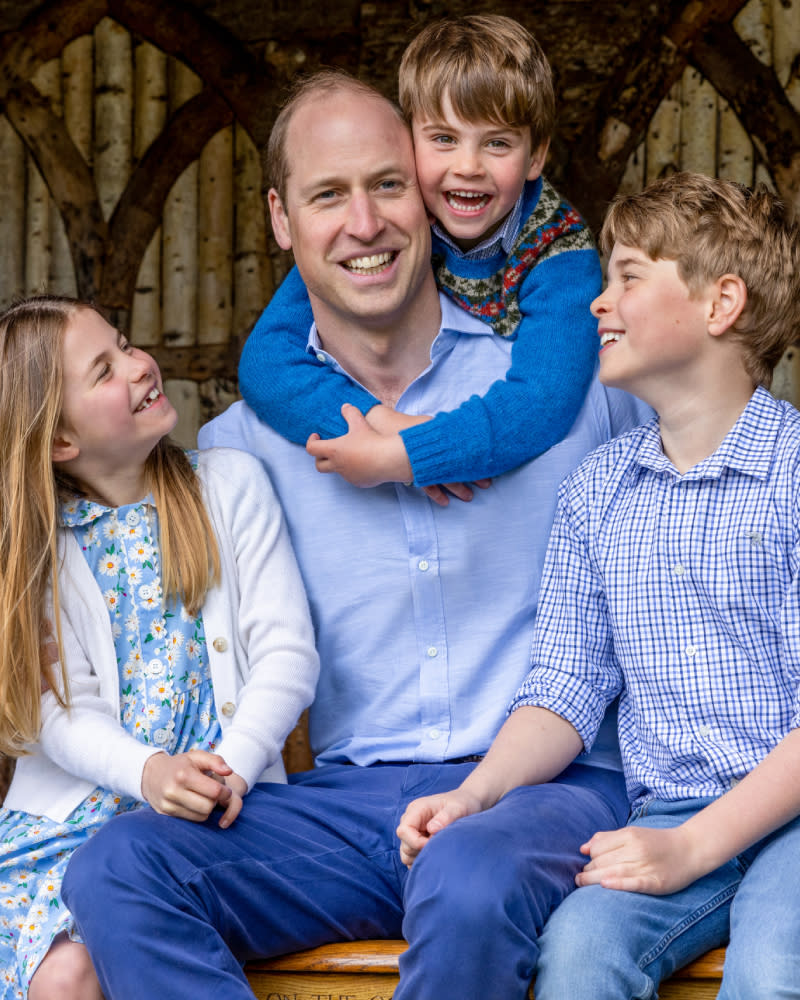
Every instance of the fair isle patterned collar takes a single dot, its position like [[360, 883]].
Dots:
[[503, 239]]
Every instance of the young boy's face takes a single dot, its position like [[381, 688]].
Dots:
[[471, 173], [651, 331]]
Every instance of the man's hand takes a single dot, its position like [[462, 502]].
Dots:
[[641, 859], [461, 491], [428, 815], [191, 785]]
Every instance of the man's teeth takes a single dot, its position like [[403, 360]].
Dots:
[[368, 265], [609, 338], [148, 400], [462, 199]]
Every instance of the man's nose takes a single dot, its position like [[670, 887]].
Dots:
[[364, 219]]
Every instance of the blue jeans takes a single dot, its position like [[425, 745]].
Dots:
[[169, 908], [603, 944]]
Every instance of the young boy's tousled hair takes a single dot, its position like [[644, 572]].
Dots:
[[491, 68], [711, 227]]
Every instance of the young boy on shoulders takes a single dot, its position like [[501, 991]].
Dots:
[[671, 581], [478, 94]]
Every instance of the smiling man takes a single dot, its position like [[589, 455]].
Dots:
[[423, 617]]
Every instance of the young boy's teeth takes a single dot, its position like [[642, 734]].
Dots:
[[373, 264], [467, 201], [148, 400], [609, 338]]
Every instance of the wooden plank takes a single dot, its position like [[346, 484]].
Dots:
[[367, 970]]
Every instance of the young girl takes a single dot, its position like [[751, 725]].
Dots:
[[185, 649]]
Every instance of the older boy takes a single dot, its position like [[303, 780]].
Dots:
[[478, 93], [672, 581]]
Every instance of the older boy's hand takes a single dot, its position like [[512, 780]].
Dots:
[[641, 859], [428, 815]]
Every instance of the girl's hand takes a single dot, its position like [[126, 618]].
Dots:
[[190, 785]]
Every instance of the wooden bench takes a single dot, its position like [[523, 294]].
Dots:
[[367, 970]]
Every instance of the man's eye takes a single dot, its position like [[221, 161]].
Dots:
[[389, 185]]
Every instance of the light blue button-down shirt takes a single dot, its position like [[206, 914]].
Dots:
[[423, 614], [682, 592]]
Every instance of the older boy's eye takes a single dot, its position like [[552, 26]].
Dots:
[[498, 144]]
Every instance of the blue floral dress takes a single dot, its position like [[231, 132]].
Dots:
[[166, 699]]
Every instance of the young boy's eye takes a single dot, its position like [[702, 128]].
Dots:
[[444, 140]]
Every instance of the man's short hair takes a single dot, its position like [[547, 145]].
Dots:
[[490, 67], [322, 83], [711, 227]]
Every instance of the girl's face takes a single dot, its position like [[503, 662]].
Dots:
[[114, 411]]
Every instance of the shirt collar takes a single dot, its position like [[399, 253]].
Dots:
[[503, 239], [455, 320], [747, 447]]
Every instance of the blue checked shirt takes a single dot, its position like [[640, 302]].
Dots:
[[679, 593]]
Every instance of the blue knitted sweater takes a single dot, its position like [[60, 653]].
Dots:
[[538, 294]]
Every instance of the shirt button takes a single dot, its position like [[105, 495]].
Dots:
[[228, 709], [423, 565], [434, 734], [132, 517], [432, 651], [704, 731], [321, 357], [690, 650], [161, 736], [220, 644], [145, 592], [679, 569]]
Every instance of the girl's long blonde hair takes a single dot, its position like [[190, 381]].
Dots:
[[31, 377]]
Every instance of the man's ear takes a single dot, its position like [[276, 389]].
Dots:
[[64, 450], [727, 304], [537, 161], [280, 222]]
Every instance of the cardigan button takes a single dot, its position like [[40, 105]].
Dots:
[[228, 709], [220, 644]]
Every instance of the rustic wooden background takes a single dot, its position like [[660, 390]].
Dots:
[[130, 135]]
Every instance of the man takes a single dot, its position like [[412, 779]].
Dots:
[[423, 616]]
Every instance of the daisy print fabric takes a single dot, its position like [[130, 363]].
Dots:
[[166, 700]]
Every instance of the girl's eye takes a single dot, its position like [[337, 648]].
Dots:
[[104, 370]]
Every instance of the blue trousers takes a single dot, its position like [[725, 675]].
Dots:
[[628, 942], [170, 908]]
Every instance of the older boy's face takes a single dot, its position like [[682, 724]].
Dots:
[[471, 174], [353, 215], [652, 333]]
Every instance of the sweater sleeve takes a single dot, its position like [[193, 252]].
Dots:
[[533, 408], [287, 387]]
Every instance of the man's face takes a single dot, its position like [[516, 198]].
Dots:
[[352, 213]]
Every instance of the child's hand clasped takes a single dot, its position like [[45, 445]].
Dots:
[[191, 785]]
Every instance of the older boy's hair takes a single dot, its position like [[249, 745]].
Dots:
[[322, 83], [711, 227], [490, 67]]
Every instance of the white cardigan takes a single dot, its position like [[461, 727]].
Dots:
[[264, 665]]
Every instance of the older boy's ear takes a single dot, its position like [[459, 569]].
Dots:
[[63, 449], [727, 304], [280, 222], [537, 161]]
